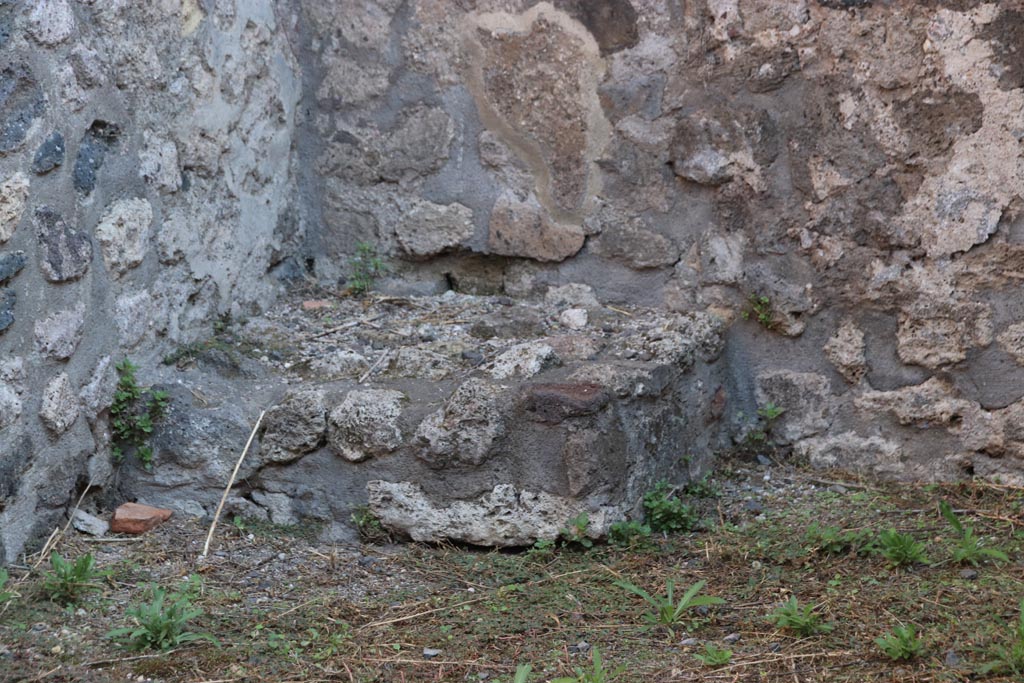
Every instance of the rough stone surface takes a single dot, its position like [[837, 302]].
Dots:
[[573, 295], [132, 317], [89, 524], [51, 22], [365, 424], [523, 228], [845, 350], [134, 518], [295, 426], [98, 141], [1012, 341], [431, 229], [7, 300], [464, 430], [504, 517], [58, 335], [59, 408], [13, 193], [574, 318], [11, 264], [10, 405], [123, 232], [50, 154], [64, 252], [936, 333], [21, 103], [872, 454], [856, 164], [637, 248], [805, 398]]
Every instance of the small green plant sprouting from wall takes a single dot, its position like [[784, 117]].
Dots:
[[759, 433], [629, 534], [575, 532], [365, 267], [368, 526], [666, 512], [134, 411], [760, 310]]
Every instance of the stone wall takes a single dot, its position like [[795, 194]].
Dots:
[[839, 181], [146, 188], [857, 164]]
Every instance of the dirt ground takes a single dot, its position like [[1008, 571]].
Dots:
[[283, 607]]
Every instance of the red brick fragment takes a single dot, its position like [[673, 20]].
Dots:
[[133, 518]]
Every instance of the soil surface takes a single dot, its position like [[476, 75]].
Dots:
[[284, 607]]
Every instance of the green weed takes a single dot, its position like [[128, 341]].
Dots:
[[160, 623], [831, 540], [969, 548], [665, 511], [368, 526], [66, 583], [522, 673], [575, 532], [595, 674], [803, 621], [901, 549], [133, 413], [760, 310], [364, 268], [714, 656], [629, 534], [667, 611], [1008, 660], [902, 643], [5, 595]]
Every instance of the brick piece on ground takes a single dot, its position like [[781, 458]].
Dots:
[[133, 518]]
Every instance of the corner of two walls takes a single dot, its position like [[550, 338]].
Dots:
[[855, 165]]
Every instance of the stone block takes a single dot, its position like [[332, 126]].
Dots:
[[133, 518]]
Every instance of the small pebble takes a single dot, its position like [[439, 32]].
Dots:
[[837, 488], [689, 642], [774, 647], [581, 647], [968, 574], [430, 653], [952, 658], [753, 507], [763, 460], [732, 638]]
